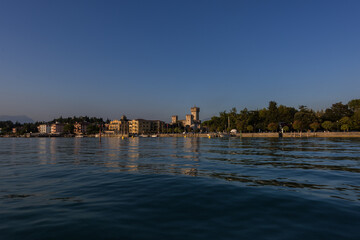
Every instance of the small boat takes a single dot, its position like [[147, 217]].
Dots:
[[144, 135], [154, 135], [223, 135]]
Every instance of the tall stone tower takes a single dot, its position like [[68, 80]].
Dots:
[[189, 120], [195, 112], [174, 119]]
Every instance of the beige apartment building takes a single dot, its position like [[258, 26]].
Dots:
[[119, 126], [44, 128], [142, 126], [80, 128]]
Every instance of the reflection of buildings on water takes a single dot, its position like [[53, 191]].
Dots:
[[53, 150], [133, 149], [77, 150], [133, 154], [192, 145], [43, 150], [122, 154], [189, 171], [139, 155]]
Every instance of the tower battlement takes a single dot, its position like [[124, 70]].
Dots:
[[195, 112]]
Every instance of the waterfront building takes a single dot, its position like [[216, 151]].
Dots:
[[195, 112], [174, 119], [80, 128], [191, 120], [142, 126], [57, 127], [44, 128], [14, 130], [114, 125], [119, 126]]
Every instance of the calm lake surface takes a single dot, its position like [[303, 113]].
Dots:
[[179, 188]]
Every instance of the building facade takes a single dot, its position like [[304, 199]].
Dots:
[[80, 128], [195, 113], [119, 126], [44, 128], [57, 128], [174, 119], [142, 126], [191, 120]]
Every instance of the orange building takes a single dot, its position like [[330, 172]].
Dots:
[[57, 128]]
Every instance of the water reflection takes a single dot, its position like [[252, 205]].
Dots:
[[330, 166]]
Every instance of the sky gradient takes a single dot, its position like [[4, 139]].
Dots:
[[154, 59]]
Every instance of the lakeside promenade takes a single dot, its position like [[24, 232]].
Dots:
[[275, 135], [214, 135], [260, 135]]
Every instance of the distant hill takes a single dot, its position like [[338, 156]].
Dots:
[[19, 118]]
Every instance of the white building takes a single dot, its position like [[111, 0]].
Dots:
[[44, 128]]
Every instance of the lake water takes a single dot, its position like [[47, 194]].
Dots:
[[179, 188]]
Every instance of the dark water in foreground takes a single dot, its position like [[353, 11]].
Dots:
[[176, 188]]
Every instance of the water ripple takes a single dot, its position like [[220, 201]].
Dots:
[[179, 188]]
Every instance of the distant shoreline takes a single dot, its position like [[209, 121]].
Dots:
[[213, 135]]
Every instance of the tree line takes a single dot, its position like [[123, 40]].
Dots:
[[339, 117], [6, 127]]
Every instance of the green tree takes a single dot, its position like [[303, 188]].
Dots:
[[348, 122], [315, 126], [69, 128], [92, 129], [286, 114], [305, 116], [336, 112], [327, 125], [354, 104], [355, 119], [272, 127], [286, 128], [297, 125], [272, 115], [6, 127], [240, 125], [212, 128], [345, 120], [345, 127], [250, 128]]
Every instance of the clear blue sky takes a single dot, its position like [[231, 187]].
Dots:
[[153, 59]]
